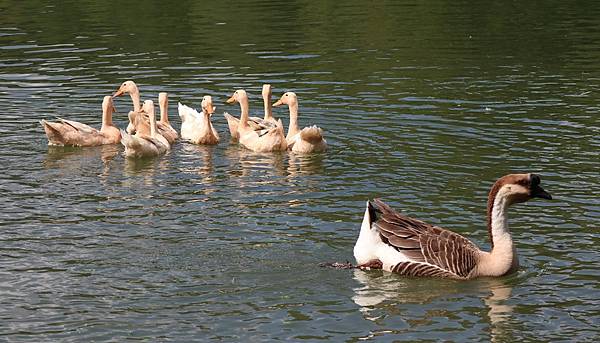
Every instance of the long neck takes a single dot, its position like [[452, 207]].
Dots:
[[106, 117], [245, 109], [498, 224], [293, 128], [164, 112], [268, 107], [135, 98], [502, 258], [152, 124], [206, 125]]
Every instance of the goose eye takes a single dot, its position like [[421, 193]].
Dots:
[[286, 94]]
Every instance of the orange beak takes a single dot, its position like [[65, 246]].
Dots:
[[278, 103], [231, 100], [118, 93]]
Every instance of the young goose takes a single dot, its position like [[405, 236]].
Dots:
[[68, 132], [309, 139], [196, 127], [164, 127], [142, 144], [393, 242], [255, 122], [266, 140]]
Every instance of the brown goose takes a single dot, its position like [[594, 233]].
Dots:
[[393, 242]]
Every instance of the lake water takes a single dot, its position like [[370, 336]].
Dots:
[[423, 104]]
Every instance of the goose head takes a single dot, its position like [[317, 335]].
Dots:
[[237, 96], [288, 98], [107, 104], [148, 107], [163, 98], [127, 87], [266, 90], [517, 188], [207, 106]]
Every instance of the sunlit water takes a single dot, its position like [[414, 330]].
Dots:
[[423, 105]]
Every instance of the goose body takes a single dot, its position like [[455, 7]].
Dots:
[[163, 125], [197, 127], [142, 144], [264, 140], [256, 123], [396, 243], [73, 133], [309, 139]]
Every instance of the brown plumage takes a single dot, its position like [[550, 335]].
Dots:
[[441, 250], [411, 247]]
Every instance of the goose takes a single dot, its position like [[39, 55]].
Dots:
[[141, 144], [309, 139], [266, 140], [69, 132], [164, 127], [196, 127], [255, 122], [396, 243]]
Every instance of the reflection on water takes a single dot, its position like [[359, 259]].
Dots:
[[299, 164], [198, 159], [67, 157], [379, 290]]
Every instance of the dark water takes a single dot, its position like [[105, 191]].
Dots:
[[424, 104]]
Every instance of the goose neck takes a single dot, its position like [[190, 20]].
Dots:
[[293, 129]]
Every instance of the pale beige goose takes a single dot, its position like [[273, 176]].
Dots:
[[309, 139], [73, 133], [266, 140], [164, 127], [396, 243], [141, 144], [255, 123]]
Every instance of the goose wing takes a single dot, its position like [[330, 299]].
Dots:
[[84, 128], [432, 251]]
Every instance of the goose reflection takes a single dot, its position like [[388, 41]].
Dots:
[[377, 287], [243, 163], [77, 157], [305, 164], [198, 159], [146, 168]]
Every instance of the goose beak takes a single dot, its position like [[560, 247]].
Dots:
[[118, 93], [539, 192], [231, 100], [278, 103]]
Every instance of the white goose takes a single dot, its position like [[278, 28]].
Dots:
[[309, 139], [393, 242], [196, 127]]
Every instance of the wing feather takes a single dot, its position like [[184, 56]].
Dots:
[[433, 251]]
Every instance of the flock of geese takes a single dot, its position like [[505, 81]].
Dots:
[[388, 240], [147, 137]]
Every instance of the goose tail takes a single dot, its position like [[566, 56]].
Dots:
[[312, 134]]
